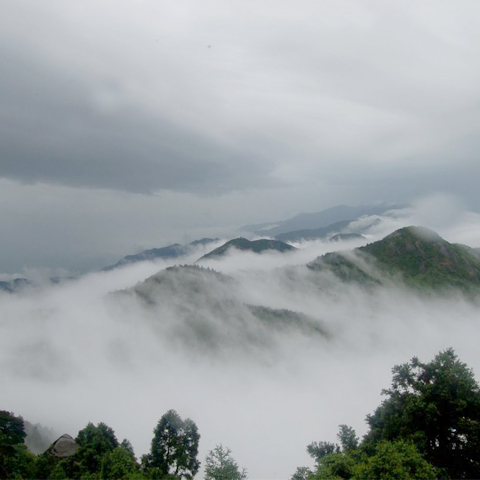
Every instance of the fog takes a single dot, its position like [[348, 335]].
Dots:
[[108, 347]]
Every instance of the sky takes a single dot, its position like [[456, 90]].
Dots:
[[128, 125]]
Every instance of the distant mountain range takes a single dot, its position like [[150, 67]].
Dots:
[[204, 308], [318, 220], [417, 255], [172, 251], [314, 234], [256, 246], [305, 226]]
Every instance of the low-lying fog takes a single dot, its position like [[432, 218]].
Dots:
[[75, 352]]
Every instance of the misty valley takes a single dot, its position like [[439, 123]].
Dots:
[[252, 357]]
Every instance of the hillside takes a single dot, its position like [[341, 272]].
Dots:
[[418, 255], [202, 308], [256, 246]]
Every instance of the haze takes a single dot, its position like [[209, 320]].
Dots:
[[132, 125]]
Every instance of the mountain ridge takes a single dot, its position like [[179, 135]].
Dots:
[[256, 246], [420, 256]]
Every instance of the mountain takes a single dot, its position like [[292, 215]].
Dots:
[[256, 246], [313, 234], [172, 251], [418, 255], [345, 237], [311, 221], [203, 309], [15, 285]]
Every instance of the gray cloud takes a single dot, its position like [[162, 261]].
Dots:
[[54, 132], [204, 99], [234, 113]]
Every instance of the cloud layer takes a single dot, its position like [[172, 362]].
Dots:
[[75, 353]]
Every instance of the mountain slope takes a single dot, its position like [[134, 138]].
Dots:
[[202, 308], [420, 256], [256, 246]]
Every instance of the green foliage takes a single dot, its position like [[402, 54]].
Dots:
[[11, 429], [15, 460], [428, 427], [120, 463], [219, 465], [348, 438], [338, 465], [437, 406], [174, 448], [317, 450], [391, 460], [302, 473], [94, 442]]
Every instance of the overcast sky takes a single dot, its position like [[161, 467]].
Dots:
[[127, 125]]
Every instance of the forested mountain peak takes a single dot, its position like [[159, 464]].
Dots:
[[417, 254]]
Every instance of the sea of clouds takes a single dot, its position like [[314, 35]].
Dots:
[[107, 347]]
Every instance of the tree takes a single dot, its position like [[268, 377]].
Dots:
[[219, 465], [302, 473], [12, 431], [348, 438], [394, 460], [15, 460], [94, 443], [120, 463], [437, 406], [333, 461], [174, 448], [318, 450]]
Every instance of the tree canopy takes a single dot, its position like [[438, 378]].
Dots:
[[437, 406], [427, 427], [174, 449], [220, 465]]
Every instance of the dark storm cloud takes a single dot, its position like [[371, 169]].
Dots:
[[52, 131], [203, 99], [230, 112]]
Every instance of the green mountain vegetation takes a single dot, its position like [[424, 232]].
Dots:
[[417, 255], [427, 427], [256, 246]]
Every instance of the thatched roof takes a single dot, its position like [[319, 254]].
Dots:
[[65, 446]]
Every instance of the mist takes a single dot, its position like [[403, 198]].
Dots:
[[111, 347]]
